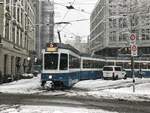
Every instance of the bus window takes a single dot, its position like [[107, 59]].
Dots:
[[63, 61], [50, 61]]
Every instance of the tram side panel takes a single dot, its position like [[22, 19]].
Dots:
[[91, 68]]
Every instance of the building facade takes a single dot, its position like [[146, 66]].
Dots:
[[113, 21], [78, 44], [17, 36], [46, 24]]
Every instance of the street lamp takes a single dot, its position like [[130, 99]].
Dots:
[[29, 64]]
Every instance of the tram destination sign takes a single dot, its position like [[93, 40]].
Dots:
[[51, 47]]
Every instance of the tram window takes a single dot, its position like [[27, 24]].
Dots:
[[92, 64], [136, 65], [148, 65], [50, 61], [109, 63], [101, 64], [63, 62], [143, 65], [127, 65], [119, 64], [88, 64], [74, 62]]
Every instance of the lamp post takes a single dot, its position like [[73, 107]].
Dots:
[[29, 64]]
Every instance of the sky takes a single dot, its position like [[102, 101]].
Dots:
[[77, 28]]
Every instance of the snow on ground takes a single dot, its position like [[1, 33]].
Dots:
[[27, 86], [119, 89], [113, 89], [47, 109]]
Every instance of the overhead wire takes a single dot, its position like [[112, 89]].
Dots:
[[63, 5], [65, 16], [73, 8]]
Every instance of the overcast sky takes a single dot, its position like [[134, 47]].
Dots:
[[62, 14]]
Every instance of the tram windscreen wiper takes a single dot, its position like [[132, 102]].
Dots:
[[50, 61]]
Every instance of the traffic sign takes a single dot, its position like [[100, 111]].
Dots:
[[134, 50], [132, 38]]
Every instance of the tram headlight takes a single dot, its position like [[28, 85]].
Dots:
[[50, 76]]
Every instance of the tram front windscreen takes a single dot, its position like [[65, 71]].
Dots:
[[50, 61]]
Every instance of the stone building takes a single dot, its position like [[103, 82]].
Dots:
[[17, 36], [113, 21]]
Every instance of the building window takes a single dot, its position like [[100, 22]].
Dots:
[[18, 16], [122, 22], [112, 23], [7, 29], [112, 36], [13, 33], [123, 37], [17, 36]]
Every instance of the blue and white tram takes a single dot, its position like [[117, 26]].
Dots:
[[61, 65], [139, 65], [64, 66]]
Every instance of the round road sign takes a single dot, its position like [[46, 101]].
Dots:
[[133, 48], [132, 37]]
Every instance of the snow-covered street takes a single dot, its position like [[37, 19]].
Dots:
[[118, 89], [114, 90], [47, 109]]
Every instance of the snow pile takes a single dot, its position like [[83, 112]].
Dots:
[[120, 89], [28, 86], [49, 109]]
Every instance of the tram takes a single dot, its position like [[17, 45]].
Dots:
[[64, 66], [141, 66]]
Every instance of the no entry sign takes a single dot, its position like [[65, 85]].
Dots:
[[133, 38], [134, 50]]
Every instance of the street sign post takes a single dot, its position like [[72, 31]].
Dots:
[[133, 53]]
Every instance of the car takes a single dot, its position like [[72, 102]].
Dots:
[[114, 72]]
